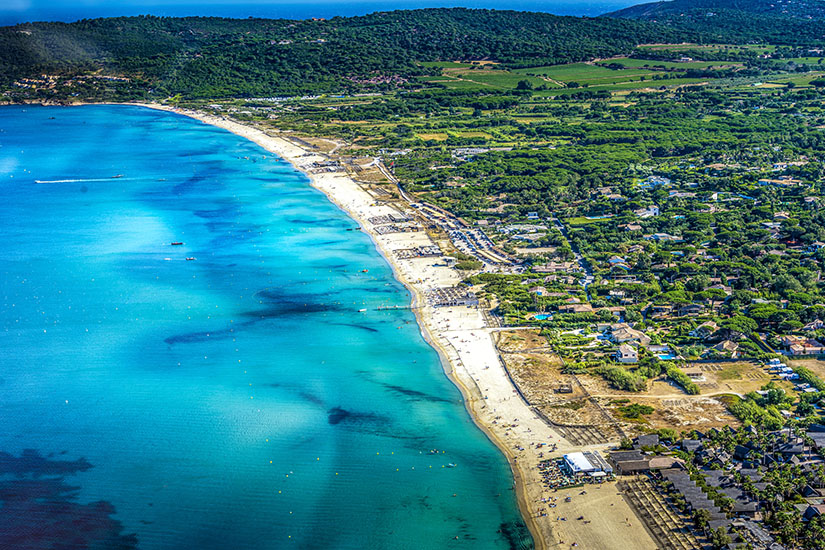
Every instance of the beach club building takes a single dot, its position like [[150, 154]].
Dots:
[[587, 464]]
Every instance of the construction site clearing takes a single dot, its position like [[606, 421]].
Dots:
[[589, 411]]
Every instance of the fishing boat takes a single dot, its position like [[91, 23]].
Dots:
[[177, 243]]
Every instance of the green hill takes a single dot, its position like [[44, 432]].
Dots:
[[216, 57], [801, 9], [790, 22]]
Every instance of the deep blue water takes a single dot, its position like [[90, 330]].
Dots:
[[236, 401], [18, 11]]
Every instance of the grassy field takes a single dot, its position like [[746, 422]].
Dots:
[[631, 63], [733, 371], [576, 71], [528, 119], [806, 60], [800, 80], [758, 48], [591, 75], [495, 79], [460, 76], [580, 221], [434, 136], [480, 82], [442, 136], [473, 133], [627, 86]]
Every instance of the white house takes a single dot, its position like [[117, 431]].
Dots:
[[627, 354]]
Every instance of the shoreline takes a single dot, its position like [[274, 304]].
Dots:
[[469, 359], [418, 303]]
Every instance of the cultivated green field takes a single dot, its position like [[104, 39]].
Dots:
[[631, 63], [460, 76], [591, 75], [624, 86]]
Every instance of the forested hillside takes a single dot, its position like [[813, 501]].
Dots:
[[792, 22], [214, 57], [802, 9], [218, 57]]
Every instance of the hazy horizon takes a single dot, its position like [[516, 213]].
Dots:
[[21, 11]]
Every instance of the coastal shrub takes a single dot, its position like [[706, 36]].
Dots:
[[622, 379], [461, 256], [574, 368], [468, 265], [635, 410], [747, 410], [677, 375], [807, 376], [667, 434]]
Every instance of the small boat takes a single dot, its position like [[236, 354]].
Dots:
[[362, 310], [365, 271], [191, 259], [433, 451], [117, 176], [177, 243], [451, 465]]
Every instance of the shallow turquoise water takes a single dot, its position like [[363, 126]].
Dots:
[[235, 401]]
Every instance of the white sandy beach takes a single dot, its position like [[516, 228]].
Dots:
[[471, 360]]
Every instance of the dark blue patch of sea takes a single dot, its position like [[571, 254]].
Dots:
[[20, 11], [236, 400]]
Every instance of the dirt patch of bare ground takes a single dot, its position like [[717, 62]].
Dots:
[[677, 413], [586, 400], [556, 396]]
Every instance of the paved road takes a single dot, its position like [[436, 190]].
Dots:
[[588, 273]]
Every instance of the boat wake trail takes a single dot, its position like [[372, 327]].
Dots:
[[83, 180]]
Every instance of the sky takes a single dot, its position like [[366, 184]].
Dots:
[[19, 11]]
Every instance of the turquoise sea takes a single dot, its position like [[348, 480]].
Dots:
[[238, 400]]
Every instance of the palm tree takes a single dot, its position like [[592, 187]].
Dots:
[[701, 518]]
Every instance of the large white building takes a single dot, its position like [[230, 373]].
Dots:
[[590, 463], [578, 463]]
